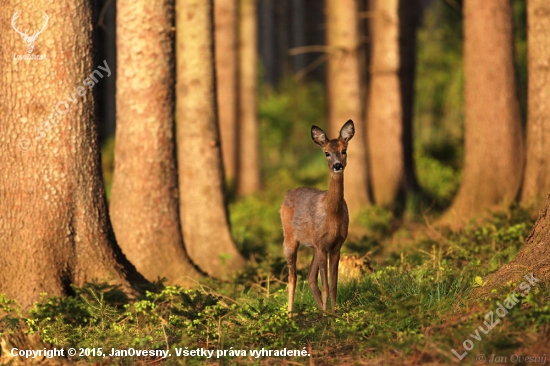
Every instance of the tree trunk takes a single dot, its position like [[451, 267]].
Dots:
[[248, 181], [283, 68], [385, 112], [494, 157], [299, 62], [536, 182], [533, 258], [225, 25], [54, 226], [389, 118], [201, 182], [144, 196], [409, 17], [315, 35], [266, 32], [344, 95]]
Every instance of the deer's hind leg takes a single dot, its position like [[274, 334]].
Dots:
[[290, 246], [291, 254]]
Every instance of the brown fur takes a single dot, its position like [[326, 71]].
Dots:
[[318, 219]]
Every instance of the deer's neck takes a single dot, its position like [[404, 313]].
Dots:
[[334, 200]]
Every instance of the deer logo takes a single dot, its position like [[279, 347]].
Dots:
[[29, 40]]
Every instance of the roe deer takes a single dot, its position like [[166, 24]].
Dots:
[[319, 219]]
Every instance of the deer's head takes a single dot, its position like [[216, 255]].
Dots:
[[335, 149]]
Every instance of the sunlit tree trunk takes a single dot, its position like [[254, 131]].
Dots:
[[385, 113], [144, 196], [494, 155], [389, 117], [344, 95], [536, 183], [225, 25], [248, 180], [201, 182], [54, 225]]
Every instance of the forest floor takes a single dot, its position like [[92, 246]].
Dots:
[[403, 299]]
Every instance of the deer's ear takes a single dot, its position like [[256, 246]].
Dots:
[[319, 136], [347, 131]]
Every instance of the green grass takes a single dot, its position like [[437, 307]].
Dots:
[[424, 287]]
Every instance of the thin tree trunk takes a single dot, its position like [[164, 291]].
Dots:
[[266, 32], [494, 157], [409, 18], [344, 95], [299, 62], [248, 180], [54, 226], [315, 35], [144, 197], [202, 207], [225, 25], [536, 182], [281, 42], [389, 118]]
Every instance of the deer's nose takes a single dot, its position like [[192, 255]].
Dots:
[[337, 167]]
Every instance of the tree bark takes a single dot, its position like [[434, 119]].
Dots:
[[249, 180], [266, 33], [315, 35], [144, 196], [201, 182], [54, 225], [385, 112], [409, 17], [225, 25], [494, 156], [533, 258], [536, 182], [299, 62], [344, 95], [389, 117]]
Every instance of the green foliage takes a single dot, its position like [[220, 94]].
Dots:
[[10, 315], [438, 110], [376, 219], [425, 287], [286, 117], [437, 177]]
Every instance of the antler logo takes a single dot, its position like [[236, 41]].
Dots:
[[29, 40]]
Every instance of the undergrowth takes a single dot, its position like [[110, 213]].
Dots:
[[396, 309]]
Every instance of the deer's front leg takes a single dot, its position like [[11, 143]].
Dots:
[[312, 280], [324, 277], [334, 261]]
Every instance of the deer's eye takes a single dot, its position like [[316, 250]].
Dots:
[[344, 152], [327, 154]]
